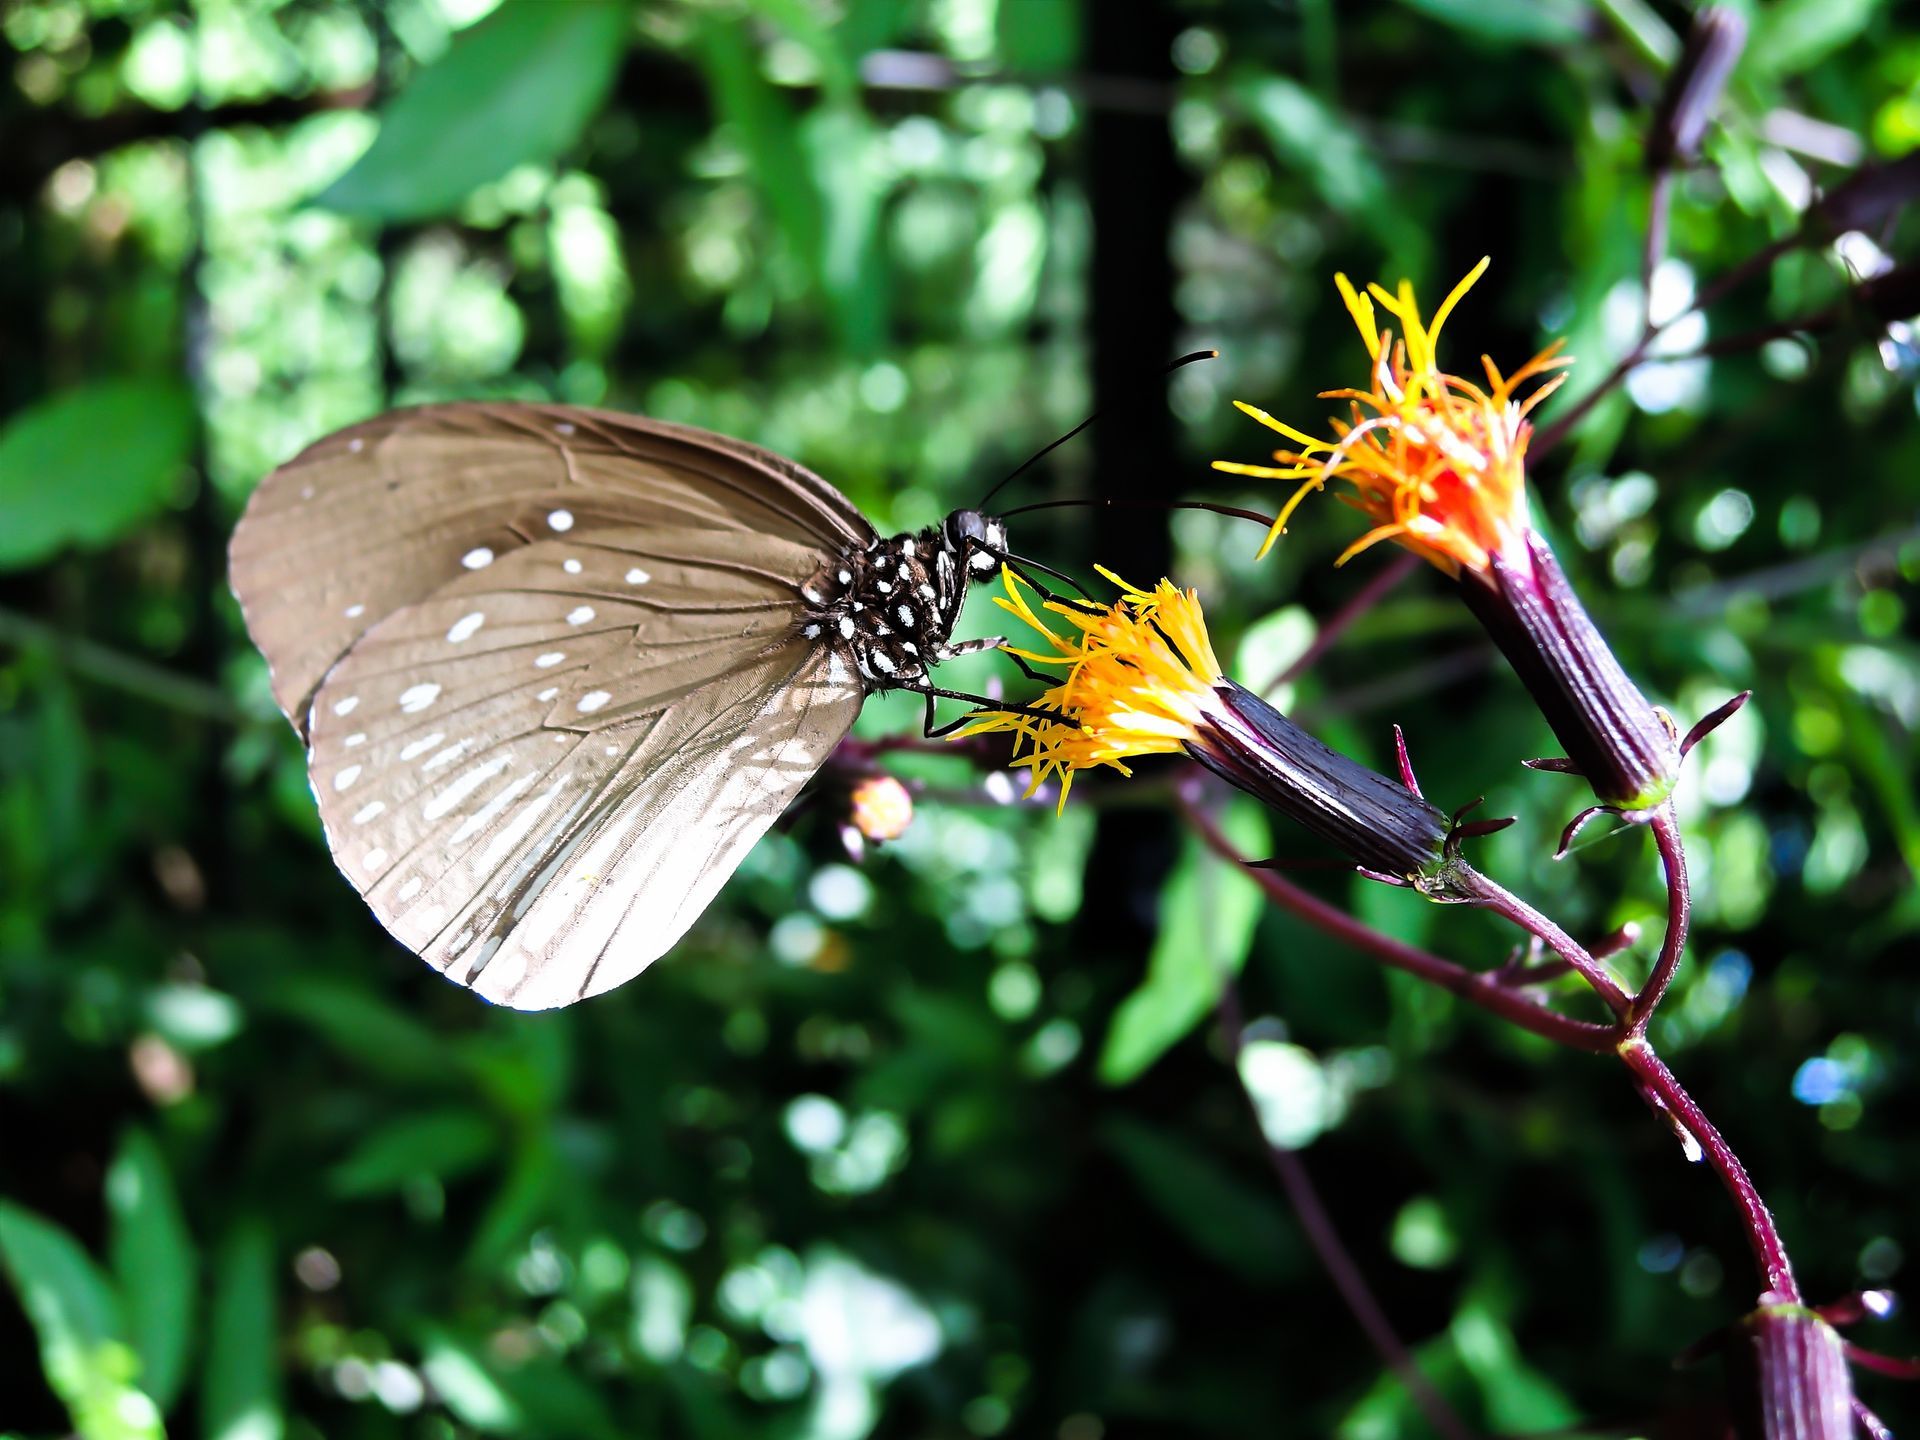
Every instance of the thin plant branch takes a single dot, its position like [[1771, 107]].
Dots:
[[1673, 859], [1666, 1094], [1324, 1236], [1483, 990], [1382, 584]]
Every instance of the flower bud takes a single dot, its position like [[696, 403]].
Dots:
[[1788, 1376], [1376, 822], [1627, 750]]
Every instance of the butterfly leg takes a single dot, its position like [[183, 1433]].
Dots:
[[980, 703], [970, 647]]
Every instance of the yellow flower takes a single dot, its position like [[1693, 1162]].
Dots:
[[1139, 677], [1438, 463]]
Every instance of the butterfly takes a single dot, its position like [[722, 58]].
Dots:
[[557, 669]]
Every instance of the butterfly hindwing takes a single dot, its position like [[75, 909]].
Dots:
[[538, 789]]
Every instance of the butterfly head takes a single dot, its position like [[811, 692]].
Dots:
[[980, 537]]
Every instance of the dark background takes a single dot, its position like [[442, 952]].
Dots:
[[867, 1154]]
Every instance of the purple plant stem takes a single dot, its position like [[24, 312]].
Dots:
[[1331, 1251], [1483, 990], [1504, 903], [1658, 1082], [1369, 595], [1673, 858]]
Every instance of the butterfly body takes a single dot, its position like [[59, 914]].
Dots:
[[891, 606], [557, 669]]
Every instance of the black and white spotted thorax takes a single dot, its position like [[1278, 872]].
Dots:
[[891, 606]]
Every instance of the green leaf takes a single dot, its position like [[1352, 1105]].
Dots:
[[76, 1319], [1219, 1215], [766, 128], [822, 41], [530, 1399], [89, 465], [1510, 22], [239, 1398], [517, 88], [1518, 1399], [367, 1030], [1336, 160], [438, 1143], [1208, 912], [153, 1260], [1795, 35], [466, 1387], [1038, 36]]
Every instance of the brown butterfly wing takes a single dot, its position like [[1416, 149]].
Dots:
[[383, 514], [539, 765]]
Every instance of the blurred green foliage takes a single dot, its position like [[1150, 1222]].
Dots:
[[917, 1147]]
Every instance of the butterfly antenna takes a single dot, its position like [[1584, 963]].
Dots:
[[1046, 450], [1101, 502]]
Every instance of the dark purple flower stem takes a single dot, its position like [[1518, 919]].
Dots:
[[1476, 988], [1666, 1094], [1491, 896], [1486, 990], [1673, 858], [1332, 1252]]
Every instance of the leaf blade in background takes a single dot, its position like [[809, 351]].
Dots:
[[76, 1319], [153, 1260], [1510, 22], [1331, 155], [443, 1144], [518, 87], [239, 1396], [88, 465], [1220, 1215], [1208, 913]]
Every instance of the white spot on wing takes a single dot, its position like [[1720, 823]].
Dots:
[[463, 786], [565, 427], [369, 811], [846, 627], [346, 777], [580, 614], [484, 816], [593, 700], [550, 659], [407, 891], [561, 520], [477, 558], [417, 697], [359, 737], [572, 567], [547, 694], [446, 757], [464, 627], [420, 747], [637, 576], [354, 612], [345, 707], [357, 444], [374, 859]]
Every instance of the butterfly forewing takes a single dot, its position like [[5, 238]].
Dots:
[[382, 515]]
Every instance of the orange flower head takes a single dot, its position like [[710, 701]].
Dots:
[[1437, 462], [1139, 678]]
